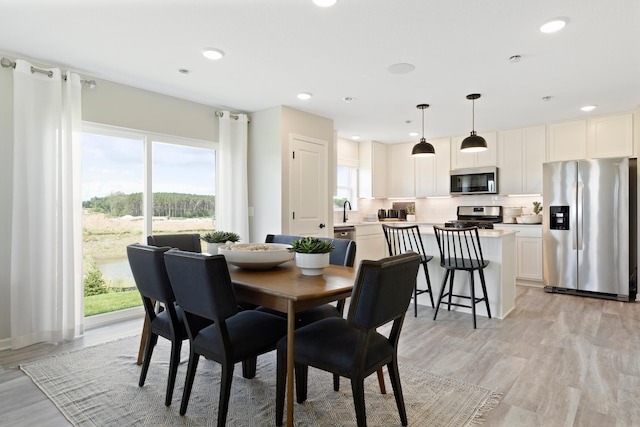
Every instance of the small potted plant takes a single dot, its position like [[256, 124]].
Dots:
[[312, 254], [215, 239], [537, 208], [411, 212]]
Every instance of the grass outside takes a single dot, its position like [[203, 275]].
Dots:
[[107, 238], [112, 301]]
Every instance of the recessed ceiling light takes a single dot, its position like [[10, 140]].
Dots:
[[304, 96], [183, 71], [347, 99], [515, 58], [546, 98], [356, 137], [412, 134], [212, 53], [324, 3], [588, 108], [401, 68], [554, 25]]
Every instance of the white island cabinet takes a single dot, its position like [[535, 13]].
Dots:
[[498, 247]]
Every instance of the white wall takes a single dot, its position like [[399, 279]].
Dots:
[[109, 103]]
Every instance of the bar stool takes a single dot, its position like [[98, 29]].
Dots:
[[460, 250], [402, 239]]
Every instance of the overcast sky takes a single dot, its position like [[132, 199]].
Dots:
[[112, 165]]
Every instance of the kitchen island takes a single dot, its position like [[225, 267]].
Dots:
[[498, 247]]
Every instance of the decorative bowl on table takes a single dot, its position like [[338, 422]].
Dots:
[[529, 219], [256, 256]]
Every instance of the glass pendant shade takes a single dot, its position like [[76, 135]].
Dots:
[[473, 143], [423, 148]]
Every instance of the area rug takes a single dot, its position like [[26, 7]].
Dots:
[[98, 386]]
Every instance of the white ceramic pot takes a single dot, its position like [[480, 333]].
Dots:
[[411, 218], [312, 264], [212, 248]]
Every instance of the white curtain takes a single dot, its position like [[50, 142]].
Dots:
[[46, 241], [232, 199]]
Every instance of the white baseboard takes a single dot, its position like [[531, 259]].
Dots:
[[105, 319], [5, 344]]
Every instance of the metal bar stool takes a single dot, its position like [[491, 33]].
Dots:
[[402, 239], [460, 250]]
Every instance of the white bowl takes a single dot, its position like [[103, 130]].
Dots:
[[529, 219], [256, 256], [511, 211]]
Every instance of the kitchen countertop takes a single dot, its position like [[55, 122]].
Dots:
[[427, 227]]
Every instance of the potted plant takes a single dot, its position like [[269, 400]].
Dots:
[[215, 239], [312, 254], [411, 212], [537, 208]]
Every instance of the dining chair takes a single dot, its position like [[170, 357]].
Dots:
[[352, 347], [217, 329], [401, 239], [460, 250], [184, 241], [164, 318]]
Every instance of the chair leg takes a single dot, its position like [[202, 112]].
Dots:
[[394, 376], [281, 382], [451, 277], [152, 339], [191, 374], [249, 367], [484, 290], [225, 393], [473, 298], [383, 388], [444, 285], [301, 373], [426, 274], [415, 300], [176, 346], [336, 382], [357, 387]]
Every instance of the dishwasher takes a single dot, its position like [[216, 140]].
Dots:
[[344, 232]]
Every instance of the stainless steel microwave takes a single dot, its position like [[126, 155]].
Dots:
[[474, 181]]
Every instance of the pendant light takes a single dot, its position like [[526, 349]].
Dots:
[[473, 143], [423, 148]]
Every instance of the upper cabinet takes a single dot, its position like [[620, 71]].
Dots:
[[347, 152], [400, 171], [596, 137], [432, 173], [488, 157], [372, 172], [521, 153]]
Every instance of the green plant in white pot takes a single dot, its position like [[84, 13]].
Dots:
[[312, 254], [215, 239]]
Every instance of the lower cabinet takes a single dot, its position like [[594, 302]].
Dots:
[[528, 251], [370, 243]]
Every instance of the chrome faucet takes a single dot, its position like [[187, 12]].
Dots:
[[344, 210]]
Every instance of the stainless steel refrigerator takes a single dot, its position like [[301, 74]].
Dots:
[[589, 227]]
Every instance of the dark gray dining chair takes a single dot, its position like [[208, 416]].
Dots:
[[460, 250], [163, 317], [189, 242], [352, 347], [217, 329]]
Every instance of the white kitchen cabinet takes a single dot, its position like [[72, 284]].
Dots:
[[489, 157], [347, 152], [610, 136], [370, 242], [521, 153], [567, 141], [432, 173], [372, 172], [528, 251], [400, 172]]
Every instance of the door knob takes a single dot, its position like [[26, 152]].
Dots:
[[322, 225]]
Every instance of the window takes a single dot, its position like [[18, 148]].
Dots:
[[134, 184], [346, 187]]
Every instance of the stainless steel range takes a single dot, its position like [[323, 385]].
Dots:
[[476, 216]]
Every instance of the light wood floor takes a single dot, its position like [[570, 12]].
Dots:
[[559, 360]]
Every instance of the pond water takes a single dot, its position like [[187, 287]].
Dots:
[[116, 271]]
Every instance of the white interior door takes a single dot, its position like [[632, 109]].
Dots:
[[309, 186]]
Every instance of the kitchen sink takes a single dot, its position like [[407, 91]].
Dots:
[[344, 232]]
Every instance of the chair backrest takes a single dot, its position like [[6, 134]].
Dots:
[[403, 239], [184, 242], [459, 247], [201, 284], [149, 272], [382, 290], [344, 252]]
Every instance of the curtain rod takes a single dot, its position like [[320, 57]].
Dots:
[[221, 114], [7, 63]]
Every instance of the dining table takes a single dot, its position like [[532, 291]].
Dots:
[[284, 288]]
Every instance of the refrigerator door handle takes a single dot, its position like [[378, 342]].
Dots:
[[579, 213]]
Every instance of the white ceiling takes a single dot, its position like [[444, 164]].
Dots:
[[278, 48]]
